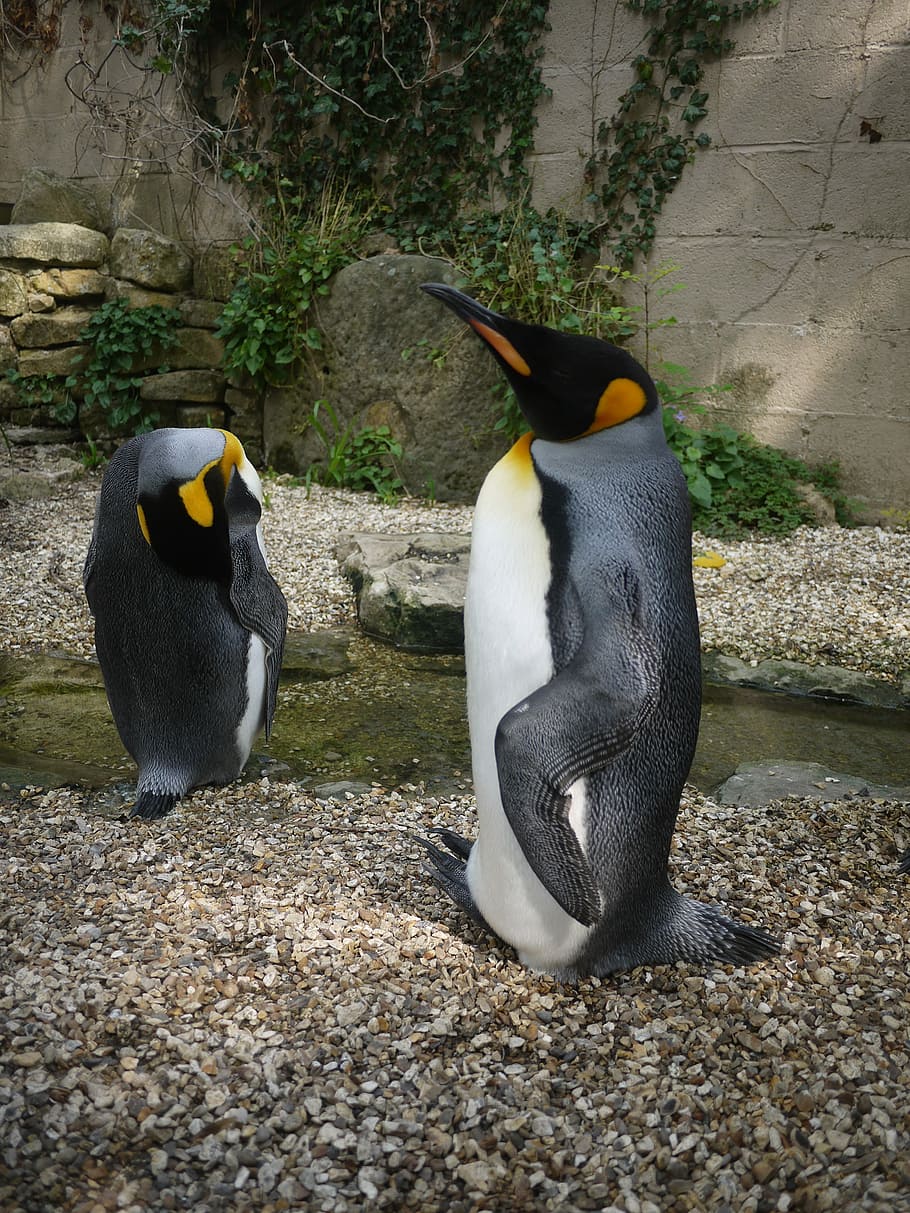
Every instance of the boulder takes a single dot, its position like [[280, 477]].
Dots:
[[216, 269], [195, 349], [68, 284], [46, 197], [245, 420], [818, 681], [150, 260], [138, 296], [393, 356], [42, 476], [758, 783], [409, 588], [55, 244], [64, 360], [7, 350], [316, 656], [201, 313]]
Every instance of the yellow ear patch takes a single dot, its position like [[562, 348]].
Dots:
[[196, 500], [623, 398], [193, 493], [233, 455], [504, 348], [143, 525]]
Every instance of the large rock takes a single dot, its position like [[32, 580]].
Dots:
[[818, 681], [150, 260], [393, 356], [7, 350], [409, 588], [68, 284], [139, 296], [216, 268], [64, 360], [55, 244], [46, 197], [758, 783]]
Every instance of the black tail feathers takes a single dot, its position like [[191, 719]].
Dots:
[[152, 805]]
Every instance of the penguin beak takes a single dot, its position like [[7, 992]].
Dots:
[[487, 324]]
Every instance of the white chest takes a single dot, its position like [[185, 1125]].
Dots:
[[254, 714], [508, 655]]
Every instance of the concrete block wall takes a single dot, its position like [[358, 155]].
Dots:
[[46, 122], [792, 231]]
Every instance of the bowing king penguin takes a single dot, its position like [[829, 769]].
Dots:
[[583, 671], [189, 623]]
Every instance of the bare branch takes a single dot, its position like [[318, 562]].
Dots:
[[286, 46], [429, 76]]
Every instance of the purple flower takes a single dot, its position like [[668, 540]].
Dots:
[[679, 415]]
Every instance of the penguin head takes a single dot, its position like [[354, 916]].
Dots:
[[193, 488], [566, 385]]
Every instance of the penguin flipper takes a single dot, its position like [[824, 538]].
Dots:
[[261, 608], [574, 725]]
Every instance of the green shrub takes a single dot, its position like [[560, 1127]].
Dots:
[[267, 325], [362, 460], [739, 486], [118, 340]]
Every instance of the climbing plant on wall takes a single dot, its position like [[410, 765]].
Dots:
[[651, 136], [429, 104]]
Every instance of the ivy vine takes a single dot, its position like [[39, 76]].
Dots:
[[651, 137], [430, 105]]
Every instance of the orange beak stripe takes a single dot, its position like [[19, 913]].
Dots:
[[505, 349]]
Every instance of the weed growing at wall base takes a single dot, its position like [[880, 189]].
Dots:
[[359, 459], [739, 486], [118, 341]]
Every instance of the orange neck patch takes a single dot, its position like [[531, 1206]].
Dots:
[[623, 398], [517, 460], [504, 348]]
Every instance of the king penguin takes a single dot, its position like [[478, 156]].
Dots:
[[583, 671], [189, 623]]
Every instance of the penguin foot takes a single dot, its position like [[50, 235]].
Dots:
[[904, 862], [456, 844], [449, 870], [152, 805]]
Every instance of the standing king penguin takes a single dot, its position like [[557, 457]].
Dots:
[[189, 623], [583, 671]]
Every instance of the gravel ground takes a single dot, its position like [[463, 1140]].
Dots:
[[261, 1003]]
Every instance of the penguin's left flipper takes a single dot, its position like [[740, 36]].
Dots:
[[261, 608], [574, 725], [449, 871]]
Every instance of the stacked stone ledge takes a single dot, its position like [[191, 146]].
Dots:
[[52, 278]]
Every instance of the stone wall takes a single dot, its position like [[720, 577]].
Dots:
[[53, 276]]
